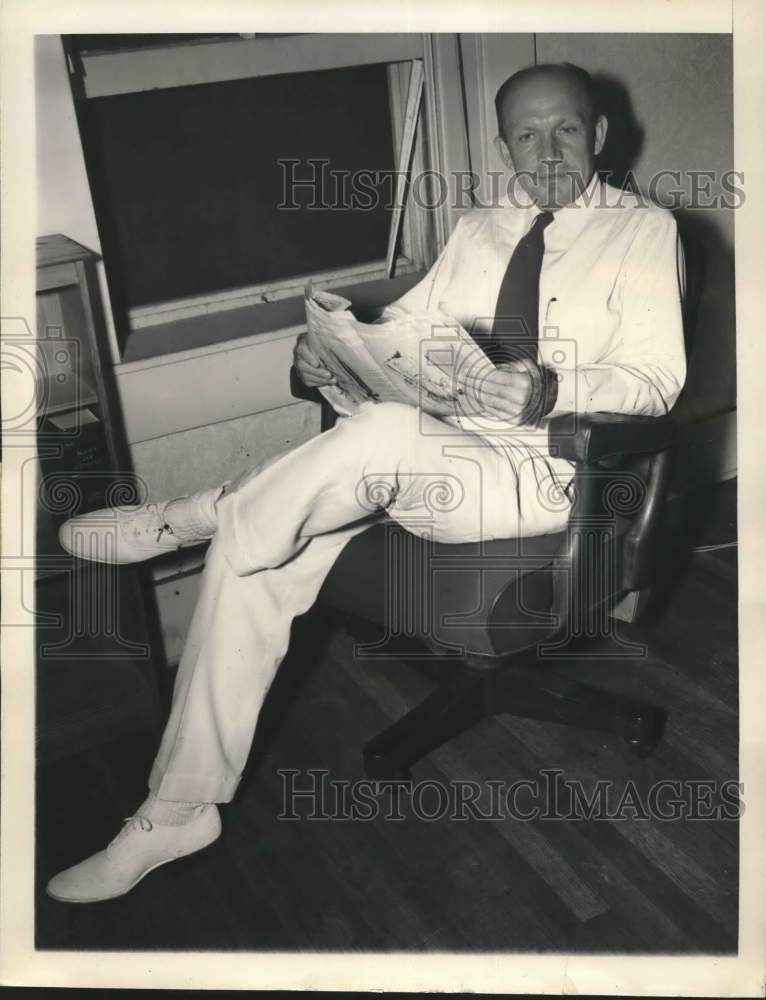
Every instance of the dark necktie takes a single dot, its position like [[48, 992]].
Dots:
[[515, 327]]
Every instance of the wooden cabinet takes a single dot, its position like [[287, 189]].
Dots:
[[96, 672]]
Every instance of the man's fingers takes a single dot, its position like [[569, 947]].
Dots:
[[310, 367], [500, 378], [304, 353], [322, 374], [505, 388], [315, 379]]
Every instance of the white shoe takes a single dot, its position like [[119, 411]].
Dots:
[[139, 848], [132, 534]]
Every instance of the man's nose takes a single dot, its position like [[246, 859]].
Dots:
[[550, 152]]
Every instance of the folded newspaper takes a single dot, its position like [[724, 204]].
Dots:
[[422, 359]]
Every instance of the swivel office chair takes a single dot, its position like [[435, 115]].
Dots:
[[497, 618]]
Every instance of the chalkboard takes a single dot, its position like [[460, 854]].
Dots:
[[187, 183]]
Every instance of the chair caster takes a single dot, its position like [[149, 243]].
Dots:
[[641, 727]]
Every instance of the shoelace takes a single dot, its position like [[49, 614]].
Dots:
[[137, 822], [165, 527], [154, 510]]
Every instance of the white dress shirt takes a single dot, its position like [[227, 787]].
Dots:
[[610, 296]]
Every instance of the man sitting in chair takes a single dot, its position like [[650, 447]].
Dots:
[[595, 264]]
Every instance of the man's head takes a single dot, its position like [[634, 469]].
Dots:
[[550, 131]]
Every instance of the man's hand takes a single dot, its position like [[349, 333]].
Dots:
[[309, 366], [505, 392]]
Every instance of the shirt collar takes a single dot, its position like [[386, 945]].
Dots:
[[568, 220], [519, 198]]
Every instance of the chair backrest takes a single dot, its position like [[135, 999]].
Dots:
[[695, 266], [640, 547]]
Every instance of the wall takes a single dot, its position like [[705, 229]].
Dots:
[[488, 60], [64, 203]]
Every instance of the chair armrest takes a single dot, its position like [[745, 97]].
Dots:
[[587, 438]]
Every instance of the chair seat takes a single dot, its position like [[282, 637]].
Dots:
[[476, 600]]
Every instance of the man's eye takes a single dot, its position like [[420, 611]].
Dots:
[[524, 137], [568, 129]]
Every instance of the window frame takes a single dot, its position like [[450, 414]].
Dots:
[[423, 232]]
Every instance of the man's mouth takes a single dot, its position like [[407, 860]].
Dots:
[[561, 179]]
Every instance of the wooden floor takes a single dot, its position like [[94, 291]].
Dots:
[[600, 885]]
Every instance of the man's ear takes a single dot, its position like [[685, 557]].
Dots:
[[503, 152], [599, 130]]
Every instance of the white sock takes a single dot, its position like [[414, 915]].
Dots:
[[166, 813], [194, 516]]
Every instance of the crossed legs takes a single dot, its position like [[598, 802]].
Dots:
[[280, 529]]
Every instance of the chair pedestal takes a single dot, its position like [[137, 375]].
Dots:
[[633, 606], [535, 693], [453, 707], [532, 692]]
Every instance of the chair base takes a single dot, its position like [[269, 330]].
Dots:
[[529, 692], [633, 606]]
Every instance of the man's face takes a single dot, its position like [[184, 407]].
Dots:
[[548, 138]]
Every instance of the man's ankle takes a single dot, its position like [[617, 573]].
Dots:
[[196, 513], [164, 812]]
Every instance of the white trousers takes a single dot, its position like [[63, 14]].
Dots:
[[282, 526]]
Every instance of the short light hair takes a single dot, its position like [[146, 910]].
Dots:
[[575, 74]]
